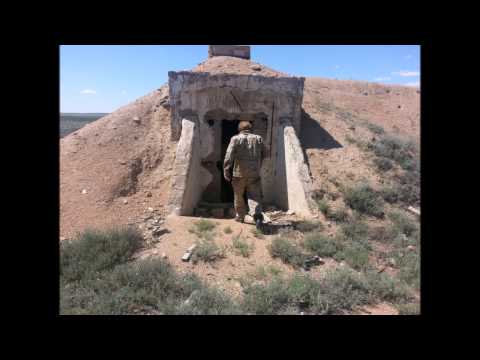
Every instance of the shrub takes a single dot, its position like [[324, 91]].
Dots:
[[302, 291], [242, 247], [339, 215], [287, 251], [227, 230], [203, 228], [383, 164], [409, 309], [342, 289], [403, 223], [386, 288], [323, 206], [207, 251], [393, 148], [266, 299], [365, 200], [94, 251], [354, 254], [207, 301], [355, 230], [257, 233], [409, 265], [390, 194], [384, 234], [321, 245], [308, 226], [376, 129]]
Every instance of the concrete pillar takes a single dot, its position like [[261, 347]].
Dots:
[[298, 181]]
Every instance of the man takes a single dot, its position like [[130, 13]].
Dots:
[[245, 154]]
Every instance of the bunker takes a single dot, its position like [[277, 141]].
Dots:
[[205, 111]]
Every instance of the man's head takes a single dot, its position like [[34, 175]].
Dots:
[[244, 125]]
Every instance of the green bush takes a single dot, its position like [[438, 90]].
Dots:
[[376, 129], [394, 148], [322, 245], [391, 194], [227, 230], [207, 301], [386, 288], [267, 299], [207, 251], [323, 206], [308, 226], [339, 215], [364, 199], [242, 247], [257, 233], [355, 230], [403, 223], [342, 289], [287, 251], [203, 229], [383, 164], [94, 251], [354, 254], [409, 265], [409, 309]]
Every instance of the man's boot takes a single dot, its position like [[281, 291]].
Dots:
[[258, 222]]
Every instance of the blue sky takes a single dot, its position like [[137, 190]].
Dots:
[[101, 78]]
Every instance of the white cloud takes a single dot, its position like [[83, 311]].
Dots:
[[413, 84], [407, 73], [385, 78], [88, 91]]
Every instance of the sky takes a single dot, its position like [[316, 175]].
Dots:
[[102, 78]]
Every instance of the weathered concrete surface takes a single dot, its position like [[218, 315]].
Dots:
[[270, 102], [240, 51], [187, 184], [299, 183]]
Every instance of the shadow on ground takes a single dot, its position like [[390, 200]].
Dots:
[[313, 136]]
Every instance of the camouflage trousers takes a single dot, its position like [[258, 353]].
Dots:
[[252, 187]]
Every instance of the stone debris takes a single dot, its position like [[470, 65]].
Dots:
[[136, 120], [125, 201], [188, 253], [411, 247], [290, 212], [84, 191], [315, 260], [164, 256]]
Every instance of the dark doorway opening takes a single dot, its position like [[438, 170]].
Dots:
[[229, 129]]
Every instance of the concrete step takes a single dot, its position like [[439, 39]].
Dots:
[[212, 205]]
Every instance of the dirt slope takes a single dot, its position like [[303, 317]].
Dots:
[[117, 160]]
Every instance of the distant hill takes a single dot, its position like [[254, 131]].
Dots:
[[70, 122]]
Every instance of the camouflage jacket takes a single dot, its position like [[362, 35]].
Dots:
[[245, 153]]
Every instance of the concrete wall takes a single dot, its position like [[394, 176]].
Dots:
[[189, 179], [240, 51], [298, 181]]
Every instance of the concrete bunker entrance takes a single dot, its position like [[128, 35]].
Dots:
[[223, 126]]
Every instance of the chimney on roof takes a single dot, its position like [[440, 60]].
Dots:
[[239, 51]]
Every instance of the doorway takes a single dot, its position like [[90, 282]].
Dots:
[[229, 129]]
